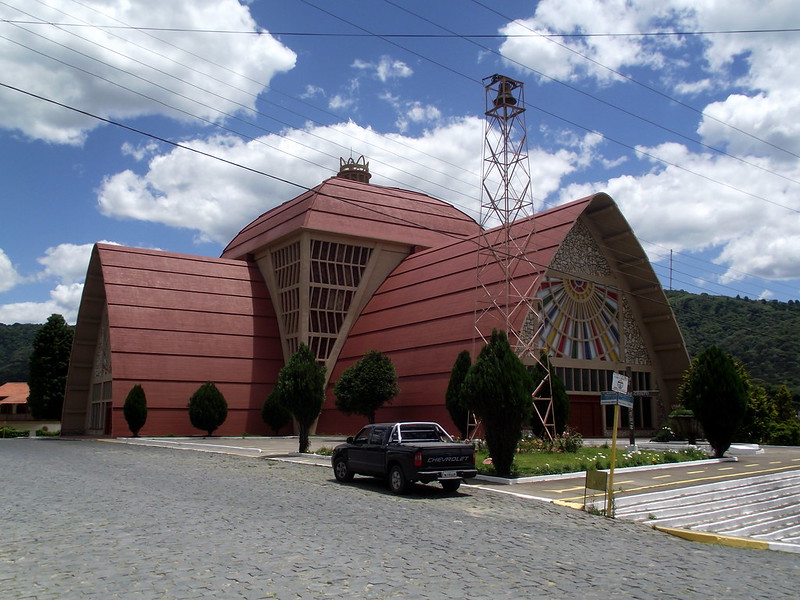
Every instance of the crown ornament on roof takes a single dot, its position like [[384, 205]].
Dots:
[[356, 170]]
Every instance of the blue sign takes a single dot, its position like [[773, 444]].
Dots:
[[626, 400], [611, 398]]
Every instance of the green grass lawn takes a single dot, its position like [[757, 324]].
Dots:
[[546, 463]]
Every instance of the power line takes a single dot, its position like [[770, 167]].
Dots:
[[610, 139], [616, 107], [208, 121], [441, 65], [412, 35], [304, 188], [645, 86], [254, 96]]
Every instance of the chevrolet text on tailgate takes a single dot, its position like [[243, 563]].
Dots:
[[404, 453]]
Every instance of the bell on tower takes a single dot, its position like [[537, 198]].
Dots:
[[504, 97], [356, 170]]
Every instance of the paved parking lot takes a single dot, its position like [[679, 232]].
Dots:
[[83, 519]]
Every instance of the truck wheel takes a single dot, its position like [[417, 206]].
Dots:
[[397, 480], [341, 471], [450, 485]]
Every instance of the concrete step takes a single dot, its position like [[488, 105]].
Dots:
[[708, 497], [706, 502], [765, 524], [730, 510], [765, 507]]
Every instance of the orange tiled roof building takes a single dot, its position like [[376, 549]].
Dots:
[[348, 267]]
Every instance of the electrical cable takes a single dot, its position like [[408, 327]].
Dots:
[[645, 86], [415, 35], [712, 180], [456, 238], [213, 109], [611, 104]]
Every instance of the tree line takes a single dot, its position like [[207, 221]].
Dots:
[[763, 335]]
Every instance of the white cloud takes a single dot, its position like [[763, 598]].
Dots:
[[389, 68], [8, 274], [312, 91], [772, 117], [411, 111], [745, 222], [385, 69], [767, 109], [66, 262], [563, 58], [422, 113], [180, 62], [64, 300], [338, 102], [187, 190], [141, 151]]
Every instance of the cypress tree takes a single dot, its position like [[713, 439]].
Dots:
[[499, 388], [301, 390], [715, 390], [274, 413], [455, 398], [135, 409], [208, 408]]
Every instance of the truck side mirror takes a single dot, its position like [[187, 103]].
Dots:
[[350, 439]]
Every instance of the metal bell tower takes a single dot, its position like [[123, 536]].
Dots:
[[506, 297]]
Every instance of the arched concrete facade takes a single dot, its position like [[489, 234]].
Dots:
[[349, 267]]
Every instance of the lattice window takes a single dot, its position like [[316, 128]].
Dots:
[[286, 263], [335, 273]]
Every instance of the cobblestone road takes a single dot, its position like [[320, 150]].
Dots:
[[88, 520]]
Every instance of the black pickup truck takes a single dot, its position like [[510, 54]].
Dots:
[[404, 453]]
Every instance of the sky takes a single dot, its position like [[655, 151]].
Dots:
[[172, 125]]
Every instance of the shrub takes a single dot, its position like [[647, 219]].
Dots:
[[366, 386], [135, 409], [274, 413], [44, 432], [786, 434], [10, 432], [569, 441], [664, 434], [207, 408]]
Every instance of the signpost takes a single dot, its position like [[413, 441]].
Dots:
[[618, 396]]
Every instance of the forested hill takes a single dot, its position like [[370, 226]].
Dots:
[[16, 344], [762, 334]]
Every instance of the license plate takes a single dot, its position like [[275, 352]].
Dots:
[[449, 475]]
